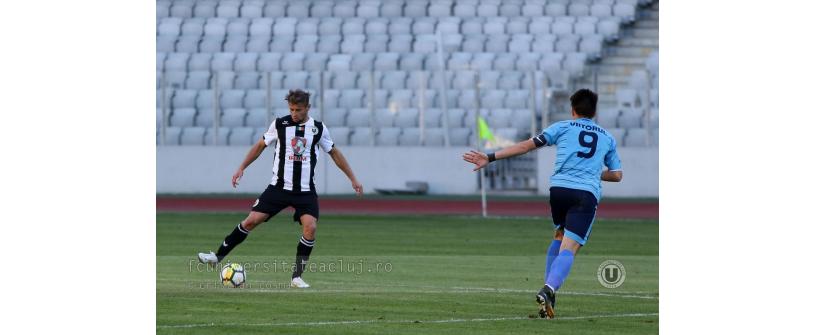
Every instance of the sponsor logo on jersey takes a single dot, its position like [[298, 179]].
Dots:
[[298, 147]]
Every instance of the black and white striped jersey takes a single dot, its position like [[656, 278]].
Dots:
[[296, 152]]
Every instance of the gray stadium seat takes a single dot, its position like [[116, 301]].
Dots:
[[411, 62], [169, 27], [256, 117], [455, 117], [184, 99], [532, 9], [626, 98], [198, 80], [495, 26], [335, 117], [406, 118], [618, 134], [578, 9], [182, 117], [510, 9], [233, 117], [511, 134], [176, 61], [344, 9], [401, 98], [223, 135], [510, 80], [340, 135], [415, 9], [376, 43], [228, 9], [225, 79], [292, 61], [368, 10], [567, 43], [172, 136], [483, 61], [241, 136], [505, 62], [252, 9], [269, 62], [361, 136], [331, 98], [361, 62], [393, 80], [521, 119], [434, 137], [489, 79], [187, 44], [353, 26], [315, 62], [601, 10], [204, 100], [388, 136], [255, 99], [163, 9], [383, 117], [517, 99], [425, 43], [281, 44], [175, 79], [339, 62], [609, 28], [464, 9], [473, 26], [205, 119], [492, 99], [359, 117], [387, 62], [636, 137], [342, 79], [555, 9], [473, 43], [329, 44], [496, 43], [391, 9], [460, 136], [625, 11], [211, 44], [607, 118], [223, 61], [193, 27], [297, 9], [630, 118], [499, 118], [410, 137], [232, 99], [193, 136], [432, 118], [486, 9]]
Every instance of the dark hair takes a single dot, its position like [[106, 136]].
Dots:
[[584, 102], [298, 97]]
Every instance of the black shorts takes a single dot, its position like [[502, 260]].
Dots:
[[574, 211], [273, 200]]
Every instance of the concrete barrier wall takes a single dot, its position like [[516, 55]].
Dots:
[[205, 169]]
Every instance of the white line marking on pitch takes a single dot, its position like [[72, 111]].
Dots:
[[354, 322]]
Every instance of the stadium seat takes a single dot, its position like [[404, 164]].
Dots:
[[247, 80], [463, 79], [345, 9], [482, 61], [223, 135], [296, 79], [636, 137], [175, 79], [256, 117], [630, 118], [510, 134], [298, 9], [359, 117], [269, 62], [406, 118], [499, 118], [521, 43], [188, 44], [388, 136], [241, 136], [383, 117], [578, 9], [339, 62], [532, 9], [425, 43], [223, 61], [315, 61], [618, 134], [233, 117], [464, 9], [401, 98], [224, 80], [198, 80], [510, 80], [255, 98], [472, 26], [555, 9], [340, 135], [238, 27], [410, 137], [205, 100], [211, 44], [331, 98], [626, 98], [505, 61], [342, 79], [193, 135], [393, 80], [205, 119], [172, 136], [329, 44], [625, 11], [376, 43], [193, 27], [232, 99], [486, 9], [182, 117], [473, 43], [607, 118], [517, 99], [361, 62], [434, 137], [228, 9], [258, 133], [495, 26], [510, 10], [246, 61], [415, 8], [252, 9], [184, 99], [310, 26], [368, 9], [361, 136], [292, 61], [496, 43], [335, 117], [455, 117], [391, 9], [176, 61], [386, 62], [449, 25], [460, 136], [521, 119], [432, 118], [411, 62], [169, 27], [281, 44]]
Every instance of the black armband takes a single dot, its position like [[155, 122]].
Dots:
[[491, 157]]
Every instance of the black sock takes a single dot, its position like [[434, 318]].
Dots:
[[232, 240], [303, 251]]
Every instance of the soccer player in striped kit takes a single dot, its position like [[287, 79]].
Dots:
[[298, 138]]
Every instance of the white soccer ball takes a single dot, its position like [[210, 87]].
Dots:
[[233, 275]]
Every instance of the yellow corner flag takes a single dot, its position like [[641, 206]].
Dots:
[[484, 132]]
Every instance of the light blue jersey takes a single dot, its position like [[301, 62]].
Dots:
[[583, 148]]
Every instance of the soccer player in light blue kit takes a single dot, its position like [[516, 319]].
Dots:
[[583, 148]]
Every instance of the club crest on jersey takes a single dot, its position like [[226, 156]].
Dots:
[[298, 146]]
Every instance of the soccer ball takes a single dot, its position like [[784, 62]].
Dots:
[[233, 275]]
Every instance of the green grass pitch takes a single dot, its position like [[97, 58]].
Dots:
[[402, 274]]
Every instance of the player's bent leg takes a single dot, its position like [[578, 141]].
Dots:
[[554, 248], [234, 238], [304, 247]]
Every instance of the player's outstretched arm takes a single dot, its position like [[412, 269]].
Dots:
[[612, 176], [342, 163], [481, 159], [251, 156]]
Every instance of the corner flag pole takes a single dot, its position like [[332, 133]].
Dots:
[[478, 122]]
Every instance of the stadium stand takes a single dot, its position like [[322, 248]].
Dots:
[[240, 50]]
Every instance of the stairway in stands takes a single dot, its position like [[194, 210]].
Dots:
[[628, 54]]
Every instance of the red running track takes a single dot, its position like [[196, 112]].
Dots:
[[503, 207]]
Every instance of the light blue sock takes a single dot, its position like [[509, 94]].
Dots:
[[560, 269], [554, 248]]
